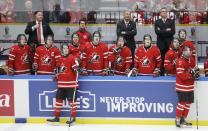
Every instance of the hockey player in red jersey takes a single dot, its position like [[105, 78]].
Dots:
[[19, 57], [46, 58], [95, 59], [83, 33], [170, 57], [120, 57], [147, 58], [75, 48], [182, 34], [67, 83], [206, 66], [186, 73]]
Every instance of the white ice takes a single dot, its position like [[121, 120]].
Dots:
[[86, 127]]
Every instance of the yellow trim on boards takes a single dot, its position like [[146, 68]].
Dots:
[[105, 121], [7, 120]]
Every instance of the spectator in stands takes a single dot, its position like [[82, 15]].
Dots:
[[19, 57], [147, 58], [46, 58], [165, 30], [66, 16], [7, 11], [199, 18], [91, 17], [38, 30], [184, 17], [83, 33], [205, 17], [27, 14], [56, 14], [127, 29], [171, 57], [138, 13], [77, 15], [47, 13], [95, 59], [120, 58]]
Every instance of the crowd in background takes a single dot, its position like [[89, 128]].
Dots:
[[143, 11]]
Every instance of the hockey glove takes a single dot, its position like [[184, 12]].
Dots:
[[127, 71], [55, 78], [156, 72], [116, 50], [195, 72], [35, 67], [84, 72], [174, 62], [105, 72], [134, 72], [10, 72]]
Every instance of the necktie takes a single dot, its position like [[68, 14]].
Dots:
[[164, 20], [39, 32], [127, 25]]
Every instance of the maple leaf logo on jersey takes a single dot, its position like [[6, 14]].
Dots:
[[94, 58], [46, 60], [62, 69], [25, 58], [145, 62], [84, 37], [119, 60]]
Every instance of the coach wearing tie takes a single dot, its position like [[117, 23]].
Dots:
[[38, 30], [165, 30], [127, 29]]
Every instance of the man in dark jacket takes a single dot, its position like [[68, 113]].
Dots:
[[127, 29], [165, 30], [38, 30]]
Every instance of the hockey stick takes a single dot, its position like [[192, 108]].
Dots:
[[74, 96], [193, 33], [1, 52]]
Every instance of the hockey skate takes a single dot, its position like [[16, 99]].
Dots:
[[54, 121], [184, 123], [178, 123], [72, 121]]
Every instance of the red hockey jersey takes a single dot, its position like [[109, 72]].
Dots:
[[84, 37], [170, 61], [206, 67], [191, 45], [77, 51], [120, 61], [184, 81], [67, 76], [95, 58], [19, 60], [46, 59], [146, 61]]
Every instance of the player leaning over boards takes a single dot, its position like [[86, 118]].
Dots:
[[66, 83], [171, 57], [147, 58], [120, 57], [186, 72]]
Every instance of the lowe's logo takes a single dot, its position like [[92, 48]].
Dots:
[[85, 101]]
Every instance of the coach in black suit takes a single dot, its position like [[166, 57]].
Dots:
[[38, 30], [127, 29], [165, 30]]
